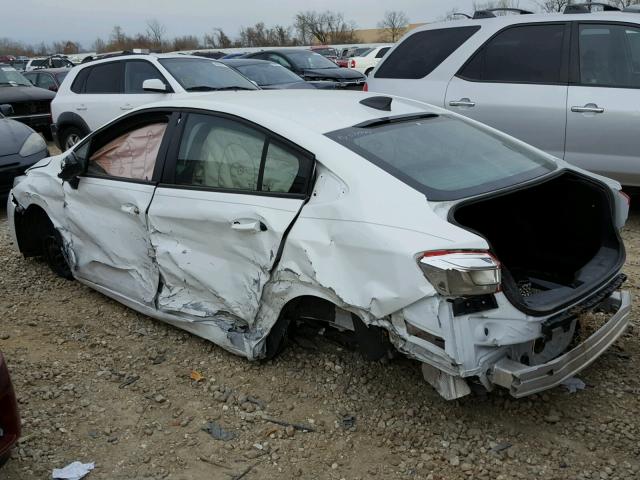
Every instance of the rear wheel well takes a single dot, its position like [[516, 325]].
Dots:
[[373, 342]]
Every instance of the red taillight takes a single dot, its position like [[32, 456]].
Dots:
[[365, 88], [626, 197], [353, 64]]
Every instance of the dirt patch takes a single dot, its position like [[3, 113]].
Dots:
[[99, 382]]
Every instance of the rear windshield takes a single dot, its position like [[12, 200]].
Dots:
[[309, 60], [445, 158], [10, 76]]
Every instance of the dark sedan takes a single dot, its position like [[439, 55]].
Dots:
[[313, 67], [9, 418], [20, 147], [47, 78], [31, 105], [271, 75]]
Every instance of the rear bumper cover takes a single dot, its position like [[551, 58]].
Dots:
[[523, 380]]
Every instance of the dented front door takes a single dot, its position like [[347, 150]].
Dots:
[[109, 237], [218, 221]]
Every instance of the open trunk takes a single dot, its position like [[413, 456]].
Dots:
[[556, 239]]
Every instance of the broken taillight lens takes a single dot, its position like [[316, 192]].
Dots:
[[455, 273]]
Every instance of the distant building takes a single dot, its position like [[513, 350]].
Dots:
[[373, 35]]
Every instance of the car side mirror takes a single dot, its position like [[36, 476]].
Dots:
[[71, 168], [6, 109], [154, 85]]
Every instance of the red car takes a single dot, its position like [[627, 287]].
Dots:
[[9, 417]]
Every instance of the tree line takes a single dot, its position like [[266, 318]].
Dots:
[[308, 27]]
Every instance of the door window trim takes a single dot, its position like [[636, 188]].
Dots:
[[171, 158], [574, 70], [162, 152], [564, 65]]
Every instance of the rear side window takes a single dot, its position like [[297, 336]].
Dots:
[[610, 56], [105, 78], [221, 153], [422, 52], [78, 83], [443, 157], [527, 54], [382, 52]]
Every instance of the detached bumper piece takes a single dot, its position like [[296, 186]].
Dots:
[[523, 380]]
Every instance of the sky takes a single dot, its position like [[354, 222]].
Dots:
[[34, 21]]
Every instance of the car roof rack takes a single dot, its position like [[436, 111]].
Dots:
[[490, 12], [460, 14], [124, 53], [586, 8]]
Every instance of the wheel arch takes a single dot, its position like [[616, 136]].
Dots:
[[70, 119], [31, 224]]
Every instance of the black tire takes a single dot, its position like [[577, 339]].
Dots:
[[69, 136], [54, 255]]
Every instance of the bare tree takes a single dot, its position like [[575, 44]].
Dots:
[[186, 42], [99, 45], [623, 3], [486, 5], [325, 27], [156, 32], [394, 24], [551, 6]]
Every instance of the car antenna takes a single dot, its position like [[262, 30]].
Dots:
[[379, 103]]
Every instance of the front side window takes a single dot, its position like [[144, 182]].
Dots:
[[527, 54], [444, 157], [268, 73], [128, 151], [105, 78], [303, 60], [199, 74], [136, 72], [421, 53], [221, 153], [609, 56]]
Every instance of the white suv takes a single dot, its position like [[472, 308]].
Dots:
[[96, 92], [566, 83], [366, 61]]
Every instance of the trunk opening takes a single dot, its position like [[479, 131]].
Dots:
[[556, 240]]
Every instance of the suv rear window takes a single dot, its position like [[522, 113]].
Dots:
[[443, 157], [528, 54], [422, 52]]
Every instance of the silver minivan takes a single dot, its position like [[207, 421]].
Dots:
[[566, 83]]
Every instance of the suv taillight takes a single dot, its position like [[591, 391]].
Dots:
[[456, 273], [353, 63]]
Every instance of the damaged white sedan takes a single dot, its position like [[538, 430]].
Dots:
[[237, 215]]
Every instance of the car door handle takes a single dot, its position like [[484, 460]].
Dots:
[[126, 106], [463, 102], [588, 108], [248, 225], [81, 107], [130, 209]]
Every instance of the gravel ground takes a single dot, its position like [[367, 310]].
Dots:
[[98, 382]]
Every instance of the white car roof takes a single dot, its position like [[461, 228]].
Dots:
[[513, 19], [320, 111], [142, 56]]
